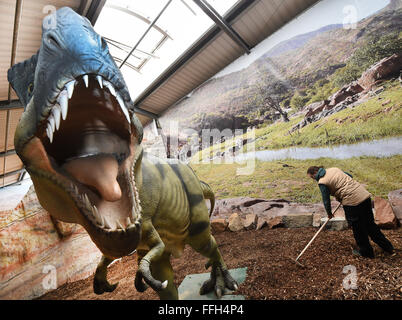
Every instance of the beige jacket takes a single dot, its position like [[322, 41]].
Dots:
[[346, 190]]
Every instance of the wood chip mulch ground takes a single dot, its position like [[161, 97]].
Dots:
[[271, 274]]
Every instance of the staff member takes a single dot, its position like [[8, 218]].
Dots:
[[356, 203]]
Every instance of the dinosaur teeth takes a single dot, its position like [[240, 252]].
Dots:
[[52, 122], [107, 224], [123, 107], [102, 221], [99, 78], [56, 112], [70, 88], [108, 85], [128, 221], [49, 132], [63, 102], [85, 78], [119, 225]]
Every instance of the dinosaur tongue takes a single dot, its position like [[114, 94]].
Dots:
[[99, 172]]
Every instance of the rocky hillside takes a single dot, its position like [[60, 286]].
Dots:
[[296, 64]]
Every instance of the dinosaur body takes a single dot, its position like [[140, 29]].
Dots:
[[79, 139]]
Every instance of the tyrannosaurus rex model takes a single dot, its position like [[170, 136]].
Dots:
[[80, 142]]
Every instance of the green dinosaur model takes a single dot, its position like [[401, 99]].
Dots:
[[79, 139]]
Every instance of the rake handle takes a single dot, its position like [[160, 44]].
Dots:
[[315, 236]]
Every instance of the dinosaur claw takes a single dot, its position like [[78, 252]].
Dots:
[[218, 292], [103, 286], [164, 284], [219, 280]]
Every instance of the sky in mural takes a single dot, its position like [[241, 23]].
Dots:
[[324, 13]]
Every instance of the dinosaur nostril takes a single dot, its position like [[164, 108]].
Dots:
[[52, 40]]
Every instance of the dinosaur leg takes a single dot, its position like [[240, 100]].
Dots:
[[220, 277], [101, 284], [201, 240], [155, 253], [162, 270], [139, 284]]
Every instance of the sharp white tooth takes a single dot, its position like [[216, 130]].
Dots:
[[95, 211], [85, 77], [70, 88], [99, 78], [49, 132], [56, 111], [102, 220], [123, 107], [119, 224], [75, 189], [87, 202], [107, 224], [110, 87], [51, 122], [128, 221], [63, 102]]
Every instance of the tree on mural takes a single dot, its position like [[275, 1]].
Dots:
[[269, 90], [264, 98]]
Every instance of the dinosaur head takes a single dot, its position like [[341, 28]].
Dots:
[[78, 137]]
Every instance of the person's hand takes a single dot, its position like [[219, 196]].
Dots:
[[330, 215]]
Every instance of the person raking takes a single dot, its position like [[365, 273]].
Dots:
[[356, 202]]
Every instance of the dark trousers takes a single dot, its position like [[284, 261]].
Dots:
[[361, 219]]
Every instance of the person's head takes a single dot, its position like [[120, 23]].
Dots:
[[312, 171]]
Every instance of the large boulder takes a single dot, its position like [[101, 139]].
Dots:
[[395, 200], [384, 215], [347, 91], [316, 108], [383, 69]]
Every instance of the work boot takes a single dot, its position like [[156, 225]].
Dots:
[[356, 252], [390, 252]]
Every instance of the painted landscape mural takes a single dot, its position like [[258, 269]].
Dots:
[[293, 91]]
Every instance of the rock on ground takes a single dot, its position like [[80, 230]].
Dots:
[[384, 215], [219, 225], [250, 222], [395, 200], [380, 70], [235, 223], [298, 220]]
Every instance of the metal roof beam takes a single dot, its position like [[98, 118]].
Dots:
[[220, 21], [94, 10], [146, 113], [145, 33]]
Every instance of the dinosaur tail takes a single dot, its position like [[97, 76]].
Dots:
[[208, 194]]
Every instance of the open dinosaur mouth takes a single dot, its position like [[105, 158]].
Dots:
[[87, 136]]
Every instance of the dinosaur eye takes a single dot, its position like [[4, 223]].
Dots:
[[30, 87]]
